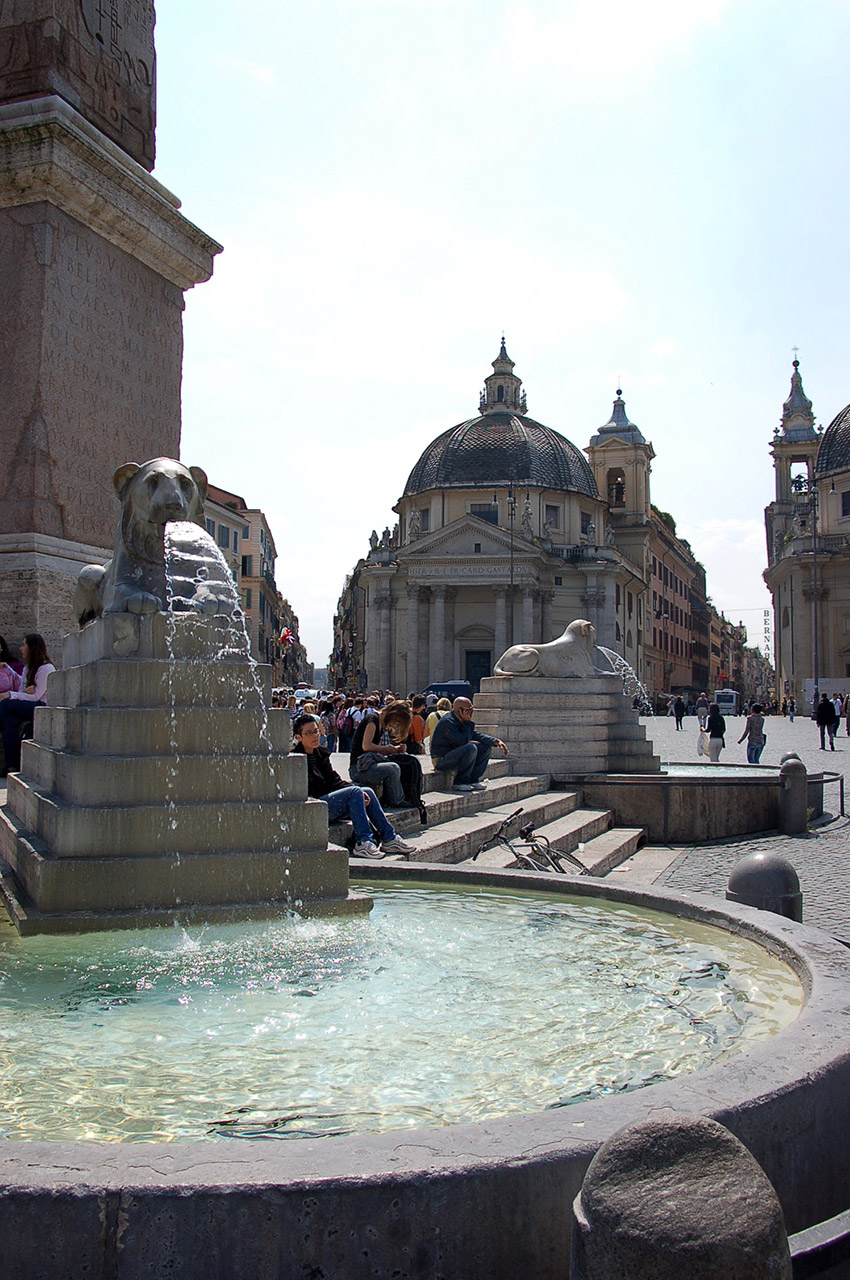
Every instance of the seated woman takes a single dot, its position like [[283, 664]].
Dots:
[[360, 804], [378, 738], [17, 705]]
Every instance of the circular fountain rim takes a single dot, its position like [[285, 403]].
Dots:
[[486, 1200], [820, 962]]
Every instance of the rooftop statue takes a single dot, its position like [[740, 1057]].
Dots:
[[570, 655], [152, 495]]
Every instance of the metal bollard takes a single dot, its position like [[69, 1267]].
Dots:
[[793, 797], [673, 1197], [767, 881]]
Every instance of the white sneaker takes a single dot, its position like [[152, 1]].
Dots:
[[461, 786], [366, 849], [479, 786], [397, 845]]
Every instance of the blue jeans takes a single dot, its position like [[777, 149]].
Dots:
[[374, 773], [349, 802], [754, 750], [470, 761]]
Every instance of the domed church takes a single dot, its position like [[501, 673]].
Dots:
[[502, 537], [808, 549]]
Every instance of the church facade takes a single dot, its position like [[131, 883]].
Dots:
[[506, 533], [808, 549]]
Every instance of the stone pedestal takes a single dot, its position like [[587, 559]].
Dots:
[[158, 788], [565, 726], [94, 259]]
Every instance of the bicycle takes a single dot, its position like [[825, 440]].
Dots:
[[539, 854]]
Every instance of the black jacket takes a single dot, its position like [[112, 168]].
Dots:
[[322, 777], [451, 733]]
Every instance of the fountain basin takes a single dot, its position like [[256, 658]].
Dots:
[[489, 1199], [693, 803]]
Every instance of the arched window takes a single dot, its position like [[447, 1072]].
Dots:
[[616, 482], [500, 394]]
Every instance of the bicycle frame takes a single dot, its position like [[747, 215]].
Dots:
[[534, 853]]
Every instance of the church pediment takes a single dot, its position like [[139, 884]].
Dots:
[[462, 538]]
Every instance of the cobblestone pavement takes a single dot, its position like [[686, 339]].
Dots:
[[821, 857]]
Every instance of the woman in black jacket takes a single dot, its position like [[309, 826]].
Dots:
[[716, 726]]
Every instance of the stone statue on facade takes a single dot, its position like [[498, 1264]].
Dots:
[[414, 525], [609, 535], [570, 655], [373, 540], [159, 492], [527, 530]]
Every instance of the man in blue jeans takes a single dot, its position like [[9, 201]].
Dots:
[[344, 801], [457, 747]]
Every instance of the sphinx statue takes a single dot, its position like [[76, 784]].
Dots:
[[572, 654]]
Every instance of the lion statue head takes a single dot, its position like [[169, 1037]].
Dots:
[[153, 494]]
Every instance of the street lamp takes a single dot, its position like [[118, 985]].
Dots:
[[511, 515]]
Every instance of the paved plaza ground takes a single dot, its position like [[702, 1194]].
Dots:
[[821, 857]]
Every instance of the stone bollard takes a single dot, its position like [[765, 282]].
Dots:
[[677, 1197], [767, 881], [793, 797]]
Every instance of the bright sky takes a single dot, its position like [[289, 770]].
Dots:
[[648, 195]]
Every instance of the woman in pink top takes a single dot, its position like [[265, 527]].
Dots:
[[17, 705]]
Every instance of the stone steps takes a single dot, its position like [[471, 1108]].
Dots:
[[600, 854]]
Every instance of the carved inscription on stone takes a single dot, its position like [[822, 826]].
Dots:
[[96, 54], [106, 375]]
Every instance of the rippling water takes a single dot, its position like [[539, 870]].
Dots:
[[442, 1006]]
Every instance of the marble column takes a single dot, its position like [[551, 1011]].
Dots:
[[384, 665], [528, 636], [412, 641], [437, 656], [501, 629]]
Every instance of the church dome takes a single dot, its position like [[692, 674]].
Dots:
[[834, 451], [502, 444]]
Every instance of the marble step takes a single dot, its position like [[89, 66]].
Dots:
[[600, 854], [139, 831], [152, 731], [109, 781], [461, 837], [448, 806]]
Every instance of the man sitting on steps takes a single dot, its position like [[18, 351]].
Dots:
[[457, 747], [344, 801]]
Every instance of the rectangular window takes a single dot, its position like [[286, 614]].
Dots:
[[845, 503], [425, 520], [236, 542], [559, 582], [616, 595], [485, 511], [552, 516], [247, 566], [246, 532], [224, 537], [629, 602], [211, 527], [249, 595], [586, 522], [476, 547]]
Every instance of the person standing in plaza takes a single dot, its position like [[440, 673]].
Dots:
[[754, 733], [716, 728], [679, 710], [702, 709], [827, 722]]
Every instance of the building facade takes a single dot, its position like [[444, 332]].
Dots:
[[808, 550], [245, 540], [502, 537]]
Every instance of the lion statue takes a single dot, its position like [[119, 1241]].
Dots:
[[152, 495], [570, 655]]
